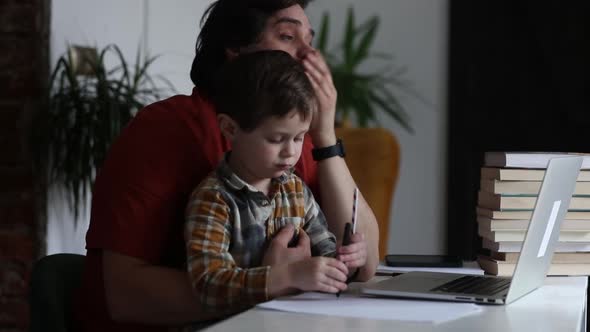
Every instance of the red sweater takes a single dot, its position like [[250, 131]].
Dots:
[[141, 192]]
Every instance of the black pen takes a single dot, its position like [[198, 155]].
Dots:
[[346, 240], [351, 229]]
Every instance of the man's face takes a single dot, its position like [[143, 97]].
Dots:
[[270, 149], [287, 30]]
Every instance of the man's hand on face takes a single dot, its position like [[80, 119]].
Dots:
[[322, 127], [278, 251]]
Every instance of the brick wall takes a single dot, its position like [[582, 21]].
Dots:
[[24, 62]]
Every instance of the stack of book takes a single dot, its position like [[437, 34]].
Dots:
[[510, 182]]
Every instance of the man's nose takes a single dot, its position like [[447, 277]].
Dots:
[[303, 51]]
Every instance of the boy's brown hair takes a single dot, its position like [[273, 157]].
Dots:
[[262, 84]]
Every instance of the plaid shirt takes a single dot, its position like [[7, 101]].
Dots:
[[228, 226]]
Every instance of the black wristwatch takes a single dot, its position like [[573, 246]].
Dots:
[[329, 151]]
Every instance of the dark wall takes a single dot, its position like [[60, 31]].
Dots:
[[518, 81], [24, 46]]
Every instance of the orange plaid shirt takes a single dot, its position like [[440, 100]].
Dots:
[[229, 224]]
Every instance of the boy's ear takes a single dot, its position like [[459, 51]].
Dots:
[[227, 126]]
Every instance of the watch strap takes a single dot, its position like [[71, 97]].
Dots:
[[329, 151]]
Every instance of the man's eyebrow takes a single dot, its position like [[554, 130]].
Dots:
[[291, 20]]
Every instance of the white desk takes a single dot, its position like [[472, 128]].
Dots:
[[560, 305]]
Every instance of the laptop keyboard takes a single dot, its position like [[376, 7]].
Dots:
[[474, 285]]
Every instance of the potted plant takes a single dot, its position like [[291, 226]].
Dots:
[[362, 94], [88, 106], [372, 154]]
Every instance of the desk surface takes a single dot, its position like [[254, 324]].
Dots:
[[557, 306]]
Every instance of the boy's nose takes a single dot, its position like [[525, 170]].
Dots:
[[288, 150]]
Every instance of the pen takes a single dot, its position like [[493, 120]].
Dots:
[[347, 233], [345, 241], [355, 203], [347, 228]]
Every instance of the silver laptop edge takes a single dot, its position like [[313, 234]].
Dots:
[[542, 235], [534, 260]]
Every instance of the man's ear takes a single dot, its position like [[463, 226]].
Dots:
[[227, 125]]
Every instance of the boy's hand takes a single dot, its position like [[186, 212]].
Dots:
[[321, 274], [278, 251], [354, 255]]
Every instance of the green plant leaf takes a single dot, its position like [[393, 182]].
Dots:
[[392, 107], [362, 95], [365, 113], [322, 40], [349, 37], [366, 41], [85, 114]]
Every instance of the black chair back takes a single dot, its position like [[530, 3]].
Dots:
[[53, 281]]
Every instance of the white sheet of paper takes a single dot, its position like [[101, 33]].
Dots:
[[352, 305], [471, 269]]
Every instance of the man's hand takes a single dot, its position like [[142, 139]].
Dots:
[[278, 251], [322, 126]]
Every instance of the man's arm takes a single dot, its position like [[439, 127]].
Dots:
[[336, 190], [336, 182], [139, 292]]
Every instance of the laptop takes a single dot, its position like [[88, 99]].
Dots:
[[533, 263]]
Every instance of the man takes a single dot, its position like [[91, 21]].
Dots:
[[134, 278]]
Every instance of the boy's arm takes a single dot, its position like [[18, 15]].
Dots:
[[218, 284], [322, 241]]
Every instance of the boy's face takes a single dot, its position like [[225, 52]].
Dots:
[[270, 149], [287, 30]]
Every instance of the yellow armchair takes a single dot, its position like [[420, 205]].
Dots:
[[372, 156]]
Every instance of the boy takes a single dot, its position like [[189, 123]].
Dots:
[[265, 103]]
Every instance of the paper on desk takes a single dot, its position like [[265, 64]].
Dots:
[[475, 270], [353, 305]]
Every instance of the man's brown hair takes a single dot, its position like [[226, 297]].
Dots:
[[230, 24]]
